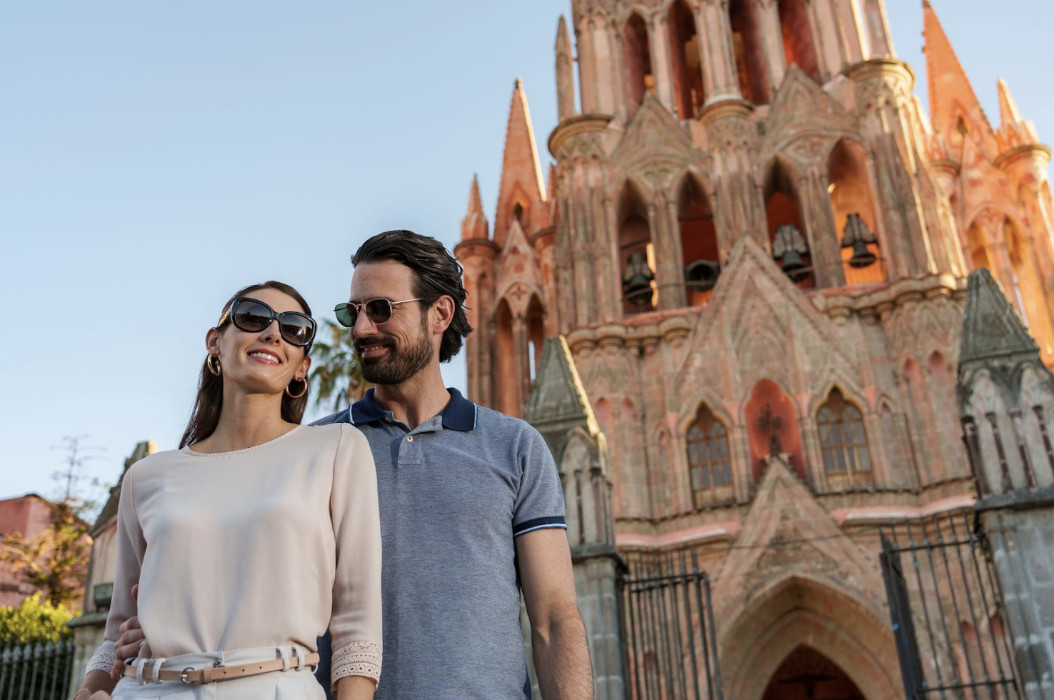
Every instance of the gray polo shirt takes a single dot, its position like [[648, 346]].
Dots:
[[454, 494]]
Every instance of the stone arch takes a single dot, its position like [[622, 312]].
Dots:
[[636, 250], [688, 88], [698, 235], [796, 610], [535, 320], [506, 369], [638, 74], [806, 672], [783, 208], [1028, 287], [987, 404], [748, 51], [771, 420], [799, 47], [1036, 403], [850, 194]]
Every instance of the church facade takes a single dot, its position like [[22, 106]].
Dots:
[[753, 247]]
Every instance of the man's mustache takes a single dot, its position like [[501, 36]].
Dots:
[[383, 341]]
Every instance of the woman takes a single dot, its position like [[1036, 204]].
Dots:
[[254, 536]]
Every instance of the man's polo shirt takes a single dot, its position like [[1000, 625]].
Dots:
[[454, 494]]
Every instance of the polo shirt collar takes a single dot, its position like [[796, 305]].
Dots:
[[459, 414]]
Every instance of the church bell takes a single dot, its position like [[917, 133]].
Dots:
[[636, 280], [701, 275], [858, 235]]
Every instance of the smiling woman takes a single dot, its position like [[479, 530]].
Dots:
[[200, 528]]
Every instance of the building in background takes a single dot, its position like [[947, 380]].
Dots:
[[753, 248], [30, 515]]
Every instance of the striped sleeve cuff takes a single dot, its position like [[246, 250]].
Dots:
[[556, 521]]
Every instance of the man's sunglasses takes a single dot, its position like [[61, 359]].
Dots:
[[377, 310], [253, 316]]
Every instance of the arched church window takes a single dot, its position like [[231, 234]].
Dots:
[[798, 46], [709, 463], [698, 242], [748, 52], [687, 65], [636, 61], [842, 437]]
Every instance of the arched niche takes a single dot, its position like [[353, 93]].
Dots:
[[806, 673], [798, 46], [506, 366], [535, 333], [850, 195], [687, 65], [636, 62], [783, 211], [1029, 291], [636, 264], [748, 52], [772, 428], [977, 243], [699, 250]]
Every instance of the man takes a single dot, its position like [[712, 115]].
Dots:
[[471, 506]]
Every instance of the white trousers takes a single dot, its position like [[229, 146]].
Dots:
[[294, 684]]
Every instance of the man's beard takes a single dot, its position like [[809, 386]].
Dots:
[[397, 365]]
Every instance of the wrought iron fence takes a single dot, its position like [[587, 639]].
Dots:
[[946, 608], [36, 671], [668, 628]]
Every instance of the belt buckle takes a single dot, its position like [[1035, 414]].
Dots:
[[183, 674]]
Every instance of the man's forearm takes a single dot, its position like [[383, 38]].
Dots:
[[561, 659]]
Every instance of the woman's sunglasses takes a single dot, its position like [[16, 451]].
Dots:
[[253, 316], [377, 310]]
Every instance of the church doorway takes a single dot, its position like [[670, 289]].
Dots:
[[806, 674]]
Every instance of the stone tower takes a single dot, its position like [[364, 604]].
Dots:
[[1006, 399], [755, 243]]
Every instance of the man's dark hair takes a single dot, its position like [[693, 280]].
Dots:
[[436, 273]]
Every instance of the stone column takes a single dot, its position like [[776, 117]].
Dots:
[[716, 30], [587, 72], [771, 33]]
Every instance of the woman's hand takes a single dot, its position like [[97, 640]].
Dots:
[[97, 685]]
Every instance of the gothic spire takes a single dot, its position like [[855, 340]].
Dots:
[[1014, 130], [521, 191], [474, 225], [950, 90], [565, 72], [992, 329]]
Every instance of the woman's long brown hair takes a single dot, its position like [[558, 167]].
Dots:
[[205, 415]]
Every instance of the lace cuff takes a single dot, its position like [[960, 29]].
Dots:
[[103, 659], [356, 658]]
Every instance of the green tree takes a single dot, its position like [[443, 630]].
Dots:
[[336, 373], [35, 620]]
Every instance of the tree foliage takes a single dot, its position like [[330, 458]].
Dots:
[[336, 373], [35, 620], [55, 562]]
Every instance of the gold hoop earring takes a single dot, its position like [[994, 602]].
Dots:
[[213, 363], [302, 391]]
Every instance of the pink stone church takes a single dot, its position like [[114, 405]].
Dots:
[[752, 249]]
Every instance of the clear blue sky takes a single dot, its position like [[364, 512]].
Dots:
[[156, 156]]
